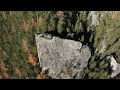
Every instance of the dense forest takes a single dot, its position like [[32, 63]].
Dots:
[[18, 54]]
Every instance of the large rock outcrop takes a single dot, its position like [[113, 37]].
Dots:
[[62, 58]]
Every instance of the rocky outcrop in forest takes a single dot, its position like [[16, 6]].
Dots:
[[62, 58], [99, 30]]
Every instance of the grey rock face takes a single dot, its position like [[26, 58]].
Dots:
[[114, 66], [94, 17], [62, 58]]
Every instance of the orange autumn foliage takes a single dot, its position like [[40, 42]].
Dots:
[[18, 72], [41, 76], [32, 59], [4, 69]]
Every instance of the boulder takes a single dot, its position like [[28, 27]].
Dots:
[[114, 66], [62, 58]]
